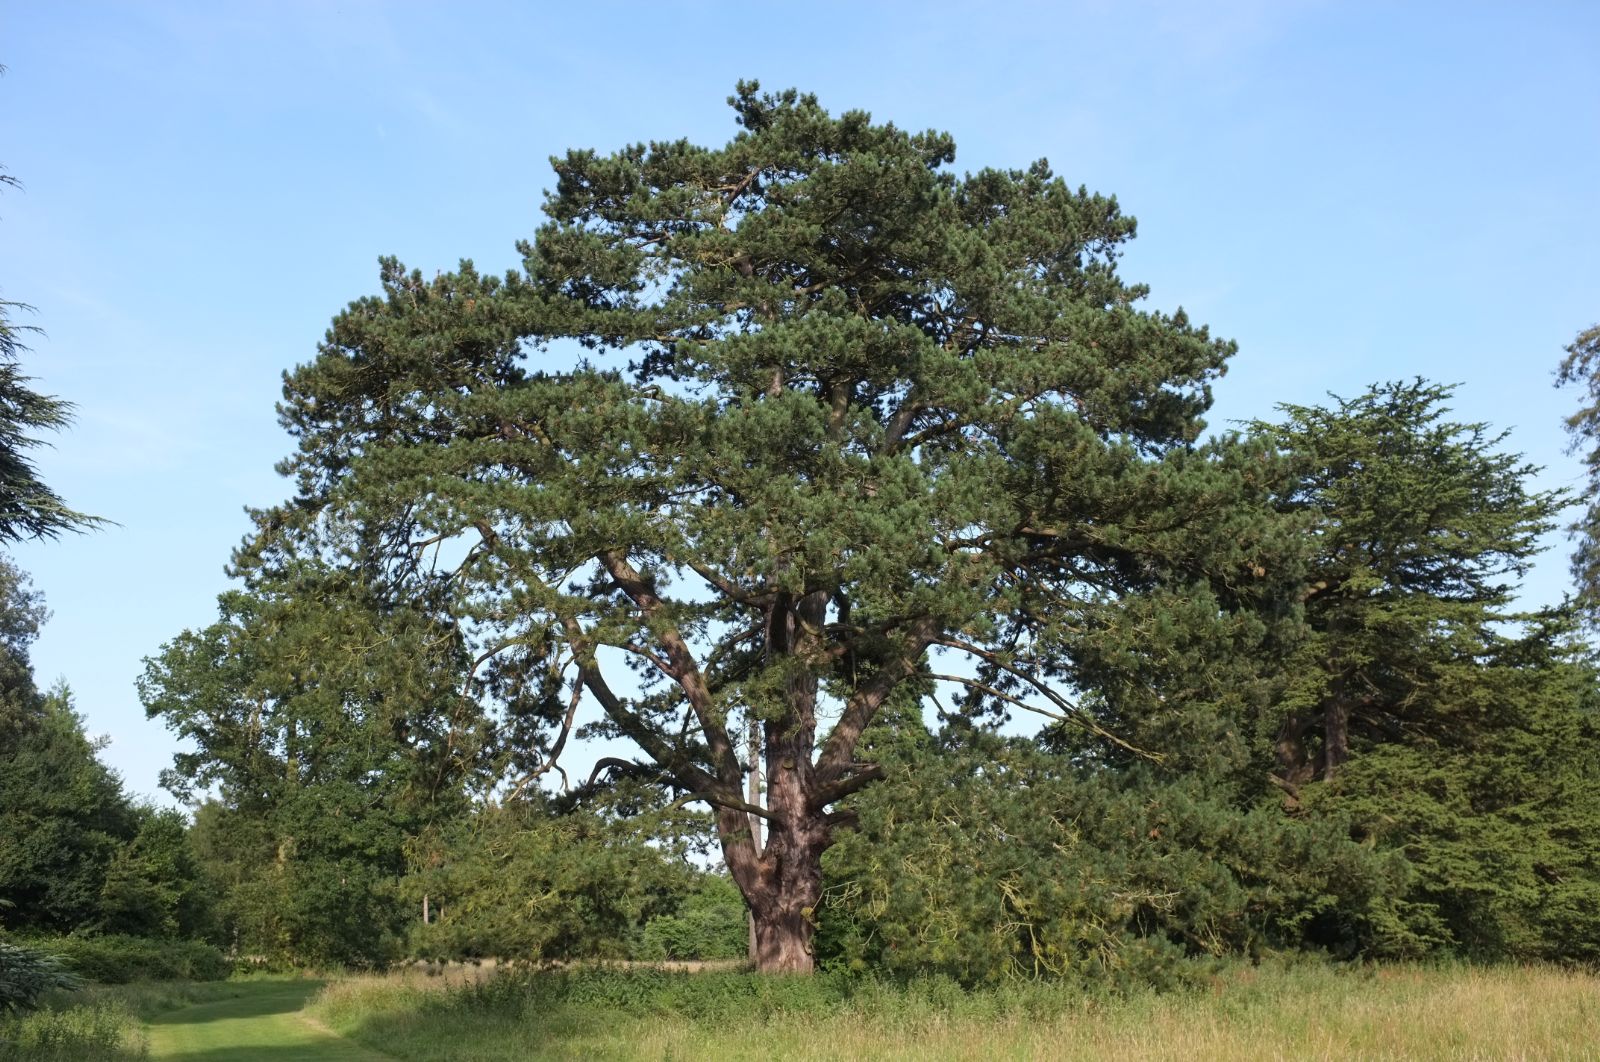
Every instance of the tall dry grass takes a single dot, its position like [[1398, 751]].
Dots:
[[1298, 1012]]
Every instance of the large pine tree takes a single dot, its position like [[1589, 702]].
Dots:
[[835, 417]]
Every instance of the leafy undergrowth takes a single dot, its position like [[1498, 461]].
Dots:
[[102, 1032], [1258, 1012]]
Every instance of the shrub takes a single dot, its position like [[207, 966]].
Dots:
[[1024, 867], [101, 1033], [26, 973]]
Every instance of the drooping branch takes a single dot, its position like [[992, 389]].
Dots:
[[1069, 712], [553, 759]]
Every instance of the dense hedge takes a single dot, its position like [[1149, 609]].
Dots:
[[118, 960], [710, 923]]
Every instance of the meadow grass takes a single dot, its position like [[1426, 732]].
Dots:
[[1293, 1011]]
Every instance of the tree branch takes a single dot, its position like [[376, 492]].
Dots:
[[683, 668], [834, 762], [636, 730], [552, 760], [864, 775]]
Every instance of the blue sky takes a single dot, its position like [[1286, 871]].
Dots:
[[1354, 192]]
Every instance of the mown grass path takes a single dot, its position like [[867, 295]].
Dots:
[[263, 1025]]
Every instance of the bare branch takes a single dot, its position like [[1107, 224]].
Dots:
[[555, 752], [862, 775], [642, 734]]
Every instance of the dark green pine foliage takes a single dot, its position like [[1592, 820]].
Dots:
[[63, 814], [1420, 707], [28, 507], [1581, 366], [1421, 529], [1016, 862], [328, 728], [837, 418], [1496, 804]]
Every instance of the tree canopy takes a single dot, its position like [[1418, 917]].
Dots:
[[1420, 528]]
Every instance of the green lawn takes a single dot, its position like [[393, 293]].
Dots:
[[264, 1024]]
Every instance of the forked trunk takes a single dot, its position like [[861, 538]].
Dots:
[[783, 897], [782, 879]]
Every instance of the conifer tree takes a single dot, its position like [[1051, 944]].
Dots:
[[29, 508], [1440, 721], [1581, 366], [1421, 527], [773, 430]]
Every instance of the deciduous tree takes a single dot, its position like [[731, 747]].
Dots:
[[330, 729]]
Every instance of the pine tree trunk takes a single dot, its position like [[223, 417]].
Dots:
[[783, 936], [1294, 767], [1336, 736], [783, 904], [783, 883]]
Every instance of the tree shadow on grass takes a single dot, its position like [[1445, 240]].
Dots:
[[288, 1053], [290, 997]]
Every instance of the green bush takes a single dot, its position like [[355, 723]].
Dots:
[[713, 996], [520, 883], [1023, 867], [711, 923], [116, 960], [730, 998]]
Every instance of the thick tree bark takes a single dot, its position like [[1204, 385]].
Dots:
[[783, 887], [782, 878], [1294, 767]]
